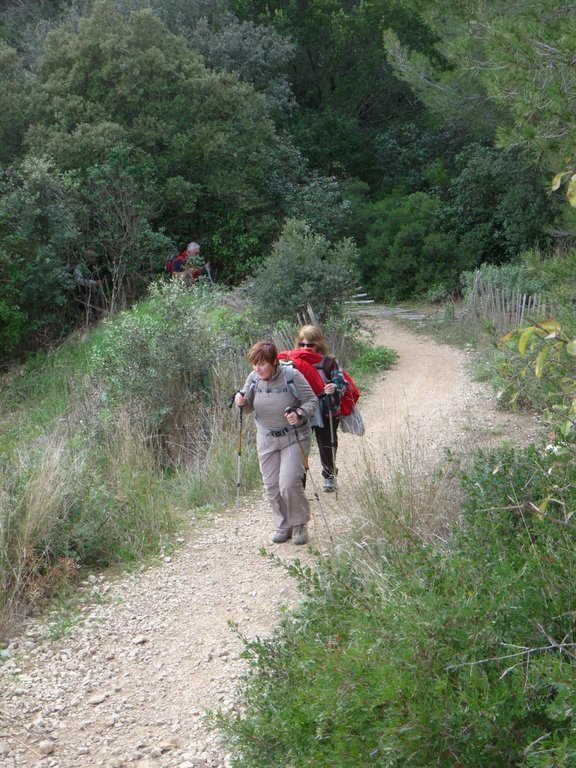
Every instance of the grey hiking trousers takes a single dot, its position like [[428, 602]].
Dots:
[[283, 471]]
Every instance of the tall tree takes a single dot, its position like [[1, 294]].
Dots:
[[513, 62], [341, 77], [205, 144], [14, 87]]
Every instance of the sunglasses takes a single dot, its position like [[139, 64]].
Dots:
[[306, 344]]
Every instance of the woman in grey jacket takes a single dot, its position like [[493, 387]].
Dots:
[[284, 404]]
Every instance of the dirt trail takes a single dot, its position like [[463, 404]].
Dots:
[[128, 684]]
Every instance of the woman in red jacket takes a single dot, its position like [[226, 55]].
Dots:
[[323, 372]]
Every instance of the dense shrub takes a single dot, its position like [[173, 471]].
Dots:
[[404, 253], [410, 656], [38, 232], [304, 269], [155, 360], [320, 204], [489, 208]]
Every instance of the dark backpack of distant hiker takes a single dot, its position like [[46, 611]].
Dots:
[[173, 262]]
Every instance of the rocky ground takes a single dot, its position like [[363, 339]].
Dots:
[[128, 684]]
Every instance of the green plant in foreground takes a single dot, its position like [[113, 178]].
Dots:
[[406, 654], [550, 351]]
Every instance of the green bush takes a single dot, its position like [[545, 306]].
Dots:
[[158, 355], [38, 231], [404, 253], [404, 655], [303, 270]]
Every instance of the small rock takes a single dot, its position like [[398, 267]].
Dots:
[[169, 744], [46, 747], [139, 640], [98, 698]]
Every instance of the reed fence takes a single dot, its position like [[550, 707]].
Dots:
[[505, 309]]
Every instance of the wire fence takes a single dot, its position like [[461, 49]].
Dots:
[[505, 309]]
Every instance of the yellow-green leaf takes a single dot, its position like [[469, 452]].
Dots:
[[540, 360], [503, 340], [524, 339], [571, 347], [550, 325], [571, 191], [557, 181]]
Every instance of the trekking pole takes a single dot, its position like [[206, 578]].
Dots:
[[309, 474], [239, 452], [239, 455], [333, 446]]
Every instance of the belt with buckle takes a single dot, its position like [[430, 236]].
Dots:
[[278, 432]]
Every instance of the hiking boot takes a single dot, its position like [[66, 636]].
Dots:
[[282, 535], [300, 534], [329, 485]]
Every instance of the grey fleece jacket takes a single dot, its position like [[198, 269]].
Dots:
[[269, 399]]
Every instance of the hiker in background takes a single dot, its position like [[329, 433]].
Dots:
[[176, 265], [189, 265], [283, 412], [326, 378]]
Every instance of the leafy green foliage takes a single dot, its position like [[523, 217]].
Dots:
[[374, 359], [341, 76], [257, 54], [127, 252], [509, 67], [541, 371], [305, 269], [157, 357], [429, 238], [203, 141], [403, 254], [517, 276], [38, 231], [13, 104], [496, 206], [419, 661], [320, 204]]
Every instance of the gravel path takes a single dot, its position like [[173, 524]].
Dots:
[[129, 683]]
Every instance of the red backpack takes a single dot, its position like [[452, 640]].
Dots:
[[312, 365], [349, 397]]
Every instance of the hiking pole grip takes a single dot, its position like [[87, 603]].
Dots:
[[233, 395]]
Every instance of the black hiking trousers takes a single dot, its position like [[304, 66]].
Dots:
[[326, 447]]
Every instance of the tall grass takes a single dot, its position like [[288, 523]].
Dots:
[[88, 499], [400, 494]]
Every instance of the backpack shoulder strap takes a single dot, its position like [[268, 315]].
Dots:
[[254, 379], [325, 366], [328, 364], [288, 371]]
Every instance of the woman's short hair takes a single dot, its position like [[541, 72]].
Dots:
[[313, 335], [263, 352]]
